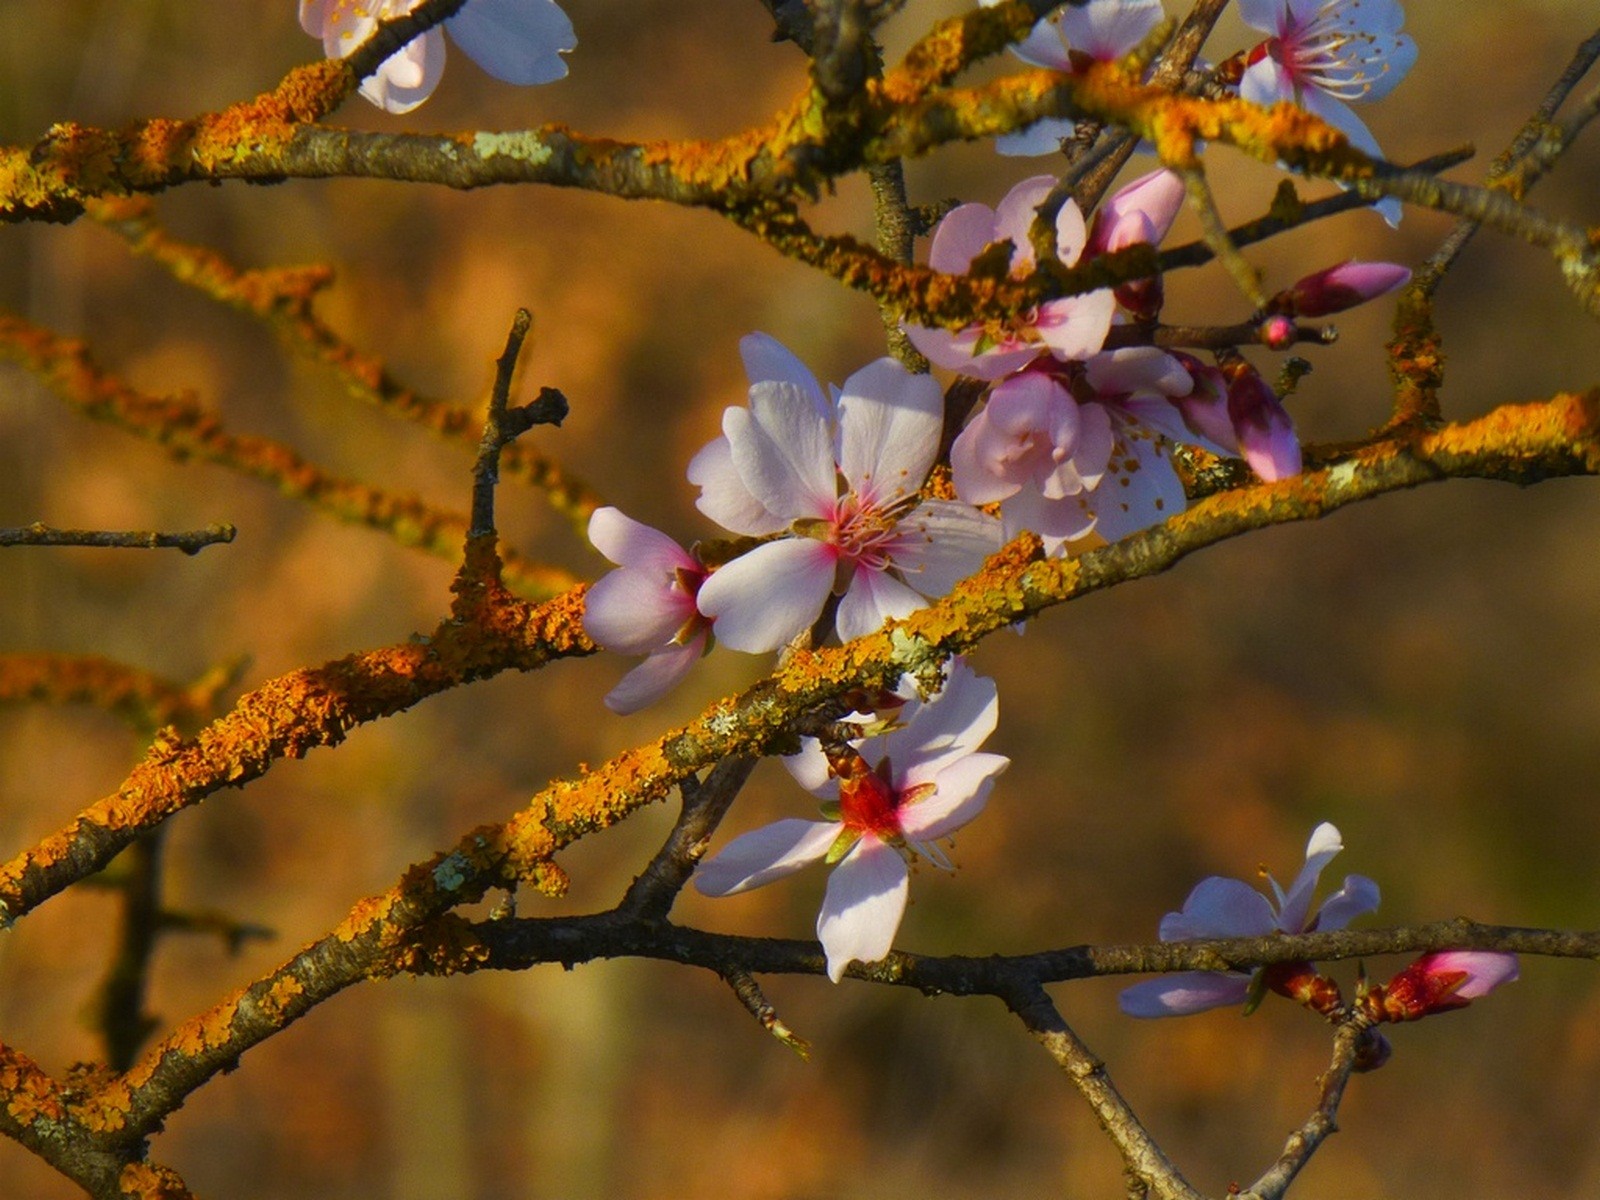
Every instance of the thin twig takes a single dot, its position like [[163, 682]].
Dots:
[[1216, 235], [190, 542], [705, 803]]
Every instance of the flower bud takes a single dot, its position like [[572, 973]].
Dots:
[[1266, 434], [1442, 981], [1345, 286]]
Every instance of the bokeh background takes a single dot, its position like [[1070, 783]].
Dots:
[[1423, 670]]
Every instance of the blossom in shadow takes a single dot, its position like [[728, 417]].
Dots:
[[1231, 908]]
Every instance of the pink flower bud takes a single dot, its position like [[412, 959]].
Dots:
[[1266, 434], [1345, 286], [1442, 981], [1277, 332]]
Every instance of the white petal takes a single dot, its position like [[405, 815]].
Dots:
[[810, 769], [1141, 489], [766, 358], [1076, 327], [1269, 16], [408, 76], [655, 676], [723, 495], [783, 451], [889, 425], [1043, 47], [762, 599], [861, 910], [1108, 29], [765, 854], [517, 41], [1042, 137], [1220, 907], [962, 790], [873, 598], [950, 726], [1266, 82], [941, 542], [1182, 994]]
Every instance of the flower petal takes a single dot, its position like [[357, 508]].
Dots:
[[635, 612], [861, 910], [408, 76], [1295, 905], [889, 425], [961, 791], [1356, 898], [1184, 993], [1108, 29], [655, 676], [1042, 137], [517, 41], [762, 599], [783, 451], [1219, 907], [960, 237], [766, 358], [723, 494], [940, 542], [765, 854], [939, 731], [873, 598], [630, 543]]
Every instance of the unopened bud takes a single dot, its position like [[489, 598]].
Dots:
[[1265, 433], [1442, 981], [1345, 286]]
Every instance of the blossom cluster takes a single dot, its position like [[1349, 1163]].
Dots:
[[837, 525]]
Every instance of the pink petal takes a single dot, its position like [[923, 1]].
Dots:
[[517, 41], [962, 790], [635, 612], [979, 465], [1269, 16], [762, 599], [655, 676], [960, 237], [783, 451], [1056, 521], [314, 16], [861, 910], [1143, 211], [1185, 993], [1219, 907], [889, 426], [1076, 327], [765, 854], [630, 543], [1138, 369], [958, 352], [1346, 285], [723, 494], [1485, 969], [1043, 47], [1015, 214]]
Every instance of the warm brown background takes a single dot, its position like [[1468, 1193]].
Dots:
[[1423, 671]]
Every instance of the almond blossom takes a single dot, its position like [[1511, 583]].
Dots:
[[1068, 449], [646, 606], [1099, 31], [891, 798], [1229, 908], [839, 478], [517, 41], [1321, 53], [1070, 328]]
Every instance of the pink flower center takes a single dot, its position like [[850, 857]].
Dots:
[[866, 533], [1327, 54]]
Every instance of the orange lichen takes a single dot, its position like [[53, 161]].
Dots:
[[146, 1181]]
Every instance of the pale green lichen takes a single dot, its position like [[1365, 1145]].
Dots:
[[524, 146], [451, 873]]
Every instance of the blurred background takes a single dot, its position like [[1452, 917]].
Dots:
[[1423, 671]]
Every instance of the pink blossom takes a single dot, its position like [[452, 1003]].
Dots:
[[891, 799], [1229, 908], [646, 606], [1322, 53], [1099, 31], [1143, 211], [1068, 449], [1337, 288], [517, 41], [1442, 981], [841, 478], [1070, 328]]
